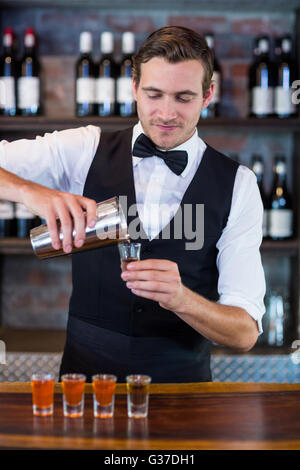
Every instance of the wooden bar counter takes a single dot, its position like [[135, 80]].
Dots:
[[181, 416]]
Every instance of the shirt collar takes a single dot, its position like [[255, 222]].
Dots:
[[191, 146]]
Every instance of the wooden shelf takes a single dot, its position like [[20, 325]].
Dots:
[[43, 124], [47, 340], [30, 340], [281, 247], [22, 246], [15, 246]]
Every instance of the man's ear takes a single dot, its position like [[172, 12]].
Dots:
[[208, 95]]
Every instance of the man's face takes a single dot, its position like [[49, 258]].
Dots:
[[169, 100]]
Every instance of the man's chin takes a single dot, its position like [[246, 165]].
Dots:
[[164, 140]]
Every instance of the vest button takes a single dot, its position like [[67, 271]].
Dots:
[[138, 309]]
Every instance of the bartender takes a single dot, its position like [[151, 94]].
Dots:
[[161, 315]]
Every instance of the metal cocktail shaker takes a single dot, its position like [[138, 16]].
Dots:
[[110, 227]]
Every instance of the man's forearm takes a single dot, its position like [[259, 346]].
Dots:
[[11, 186], [222, 324], [51, 205]]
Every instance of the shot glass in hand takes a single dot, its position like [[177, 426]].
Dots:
[[129, 251], [137, 395], [73, 394], [42, 394], [104, 386]]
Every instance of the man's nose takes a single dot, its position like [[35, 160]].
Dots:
[[167, 111]]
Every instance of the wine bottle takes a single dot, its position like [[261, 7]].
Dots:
[[213, 109], [125, 99], [8, 75], [281, 210], [261, 80], [285, 75], [106, 74], [258, 169], [25, 221], [28, 84], [7, 219], [85, 77]]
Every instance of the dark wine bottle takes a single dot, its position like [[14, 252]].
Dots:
[[8, 75], [258, 169], [7, 219], [285, 75], [85, 77], [25, 221], [281, 209], [106, 74], [213, 109], [261, 80], [125, 99], [29, 84]]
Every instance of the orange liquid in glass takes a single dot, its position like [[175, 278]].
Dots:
[[104, 391], [73, 390], [42, 393]]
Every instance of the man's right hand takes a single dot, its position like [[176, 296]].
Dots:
[[69, 208]]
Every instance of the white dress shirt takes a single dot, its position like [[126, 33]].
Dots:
[[61, 160]]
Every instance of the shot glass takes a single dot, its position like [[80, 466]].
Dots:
[[129, 251], [42, 386], [73, 394], [137, 395], [104, 386]]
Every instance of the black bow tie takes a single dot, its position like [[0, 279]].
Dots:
[[175, 159]]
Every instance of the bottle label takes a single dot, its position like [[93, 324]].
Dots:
[[124, 90], [105, 90], [283, 101], [217, 90], [6, 210], [265, 223], [7, 92], [85, 90], [23, 213], [262, 100], [28, 92], [280, 223]]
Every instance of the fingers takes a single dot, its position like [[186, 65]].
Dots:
[[74, 213], [154, 280], [66, 223], [91, 211], [53, 230], [78, 213], [155, 264]]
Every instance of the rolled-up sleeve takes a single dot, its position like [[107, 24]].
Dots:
[[241, 276], [58, 160]]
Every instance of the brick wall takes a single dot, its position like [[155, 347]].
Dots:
[[58, 31], [35, 293]]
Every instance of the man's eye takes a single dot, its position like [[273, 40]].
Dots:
[[183, 100], [153, 97]]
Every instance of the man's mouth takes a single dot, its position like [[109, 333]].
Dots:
[[166, 128]]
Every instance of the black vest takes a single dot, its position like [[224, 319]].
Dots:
[[110, 329]]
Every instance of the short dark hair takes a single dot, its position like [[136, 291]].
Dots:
[[175, 44]]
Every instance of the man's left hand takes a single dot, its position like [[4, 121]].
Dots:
[[157, 280]]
